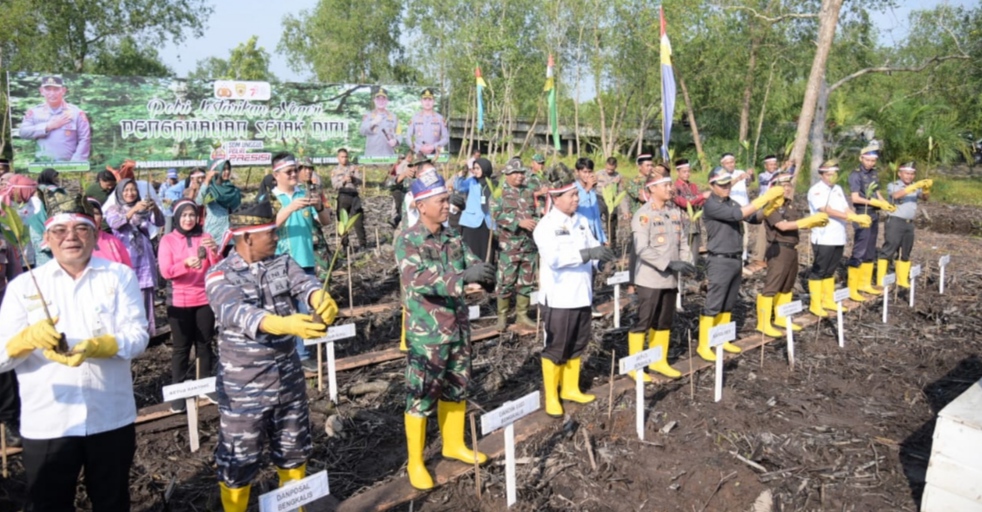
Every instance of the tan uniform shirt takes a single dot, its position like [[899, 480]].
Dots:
[[658, 239]]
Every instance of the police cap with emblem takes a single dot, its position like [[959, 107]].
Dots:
[[719, 176], [380, 91], [427, 94], [52, 81]]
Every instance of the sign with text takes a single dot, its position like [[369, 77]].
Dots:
[[619, 278], [177, 122], [944, 260], [296, 494], [889, 279], [841, 294], [915, 271], [334, 333], [189, 389], [722, 333], [473, 312], [791, 308], [639, 360], [509, 413]]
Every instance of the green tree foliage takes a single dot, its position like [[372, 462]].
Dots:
[[127, 58], [247, 61]]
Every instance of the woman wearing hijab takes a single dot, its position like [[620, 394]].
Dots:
[[131, 220], [107, 247], [20, 192], [220, 196], [185, 255], [473, 194]]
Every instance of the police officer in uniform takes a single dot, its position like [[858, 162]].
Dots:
[[262, 395], [829, 241], [380, 127], [427, 132], [569, 252], [61, 129], [898, 240], [434, 266], [866, 198], [661, 250], [724, 230], [781, 224]]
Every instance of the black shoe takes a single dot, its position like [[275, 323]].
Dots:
[[13, 435], [179, 406], [309, 365]]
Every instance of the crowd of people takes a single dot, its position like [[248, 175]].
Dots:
[[240, 276]]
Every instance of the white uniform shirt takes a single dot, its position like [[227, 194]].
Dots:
[[820, 196], [97, 396], [565, 281], [738, 192]]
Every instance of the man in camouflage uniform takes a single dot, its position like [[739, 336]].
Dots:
[[434, 266], [606, 177], [380, 127], [346, 178], [261, 389], [536, 181], [637, 196], [514, 213], [427, 132], [62, 130]]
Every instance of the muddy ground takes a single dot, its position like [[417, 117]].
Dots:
[[848, 429]]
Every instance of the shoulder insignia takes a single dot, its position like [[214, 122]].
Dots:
[[214, 277], [643, 220]]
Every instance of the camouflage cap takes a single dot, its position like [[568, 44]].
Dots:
[[561, 179], [307, 162], [514, 165], [538, 158]]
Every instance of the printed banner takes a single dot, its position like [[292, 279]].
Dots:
[[77, 122]]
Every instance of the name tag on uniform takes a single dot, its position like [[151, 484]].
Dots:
[[278, 286], [484, 200], [562, 232]]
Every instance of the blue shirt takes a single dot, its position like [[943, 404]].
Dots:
[[590, 209], [297, 233]]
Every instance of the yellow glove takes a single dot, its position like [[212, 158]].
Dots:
[[917, 185], [883, 205], [39, 335], [819, 219], [100, 347], [771, 207], [864, 221], [767, 197], [298, 324], [324, 306]]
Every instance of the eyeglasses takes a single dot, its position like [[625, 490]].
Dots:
[[60, 232], [288, 172]]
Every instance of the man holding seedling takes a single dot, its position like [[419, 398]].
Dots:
[[899, 237]]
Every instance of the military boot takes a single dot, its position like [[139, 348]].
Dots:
[[504, 304], [522, 312]]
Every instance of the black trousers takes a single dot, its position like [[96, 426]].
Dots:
[[191, 327], [53, 466], [567, 332], [826, 259], [9, 398], [656, 308], [725, 276], [352, 205], [864, 242], [897, 238]]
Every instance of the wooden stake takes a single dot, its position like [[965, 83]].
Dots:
[[351, 295], [761, 350], [320, 368], [477, 467], [692, 373], [197, 366], [192, 405], [378, 246], [610, 398]]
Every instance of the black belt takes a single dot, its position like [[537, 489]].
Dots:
[[789, 245], [906, 221], [732, 255]]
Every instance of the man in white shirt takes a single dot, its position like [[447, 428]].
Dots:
[[568, 252], [78, 410], [738, 189]]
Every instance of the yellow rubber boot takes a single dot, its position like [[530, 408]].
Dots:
[[635, 344], [551, 373], [725, 318], [234, 500], [571, 384], [705, 324], [828, 295], [866, 279], [882, 266], [402, 337], [764, 307], [780, 321], [451, 417], [660, 339], [815, 288], [853, 283], [289, 475], [419, 477], [903, 273]]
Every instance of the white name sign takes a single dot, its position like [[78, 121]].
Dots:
[[639, 360], [189, 389], [721, 334], [619, 278], [295, 494], [915, 271], [945, 260], [889, 279], [474, 312], [338, 332], [791, 308], [534, 298], [841, 294], [509, 413]]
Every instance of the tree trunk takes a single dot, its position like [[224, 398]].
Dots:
[[748, 91], [828, 20], [692, 120], [818, 130], [763, 108]]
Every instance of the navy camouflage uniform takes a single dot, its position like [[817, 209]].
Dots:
[[261, 389]]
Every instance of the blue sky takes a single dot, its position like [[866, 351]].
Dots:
[[245, 18]]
